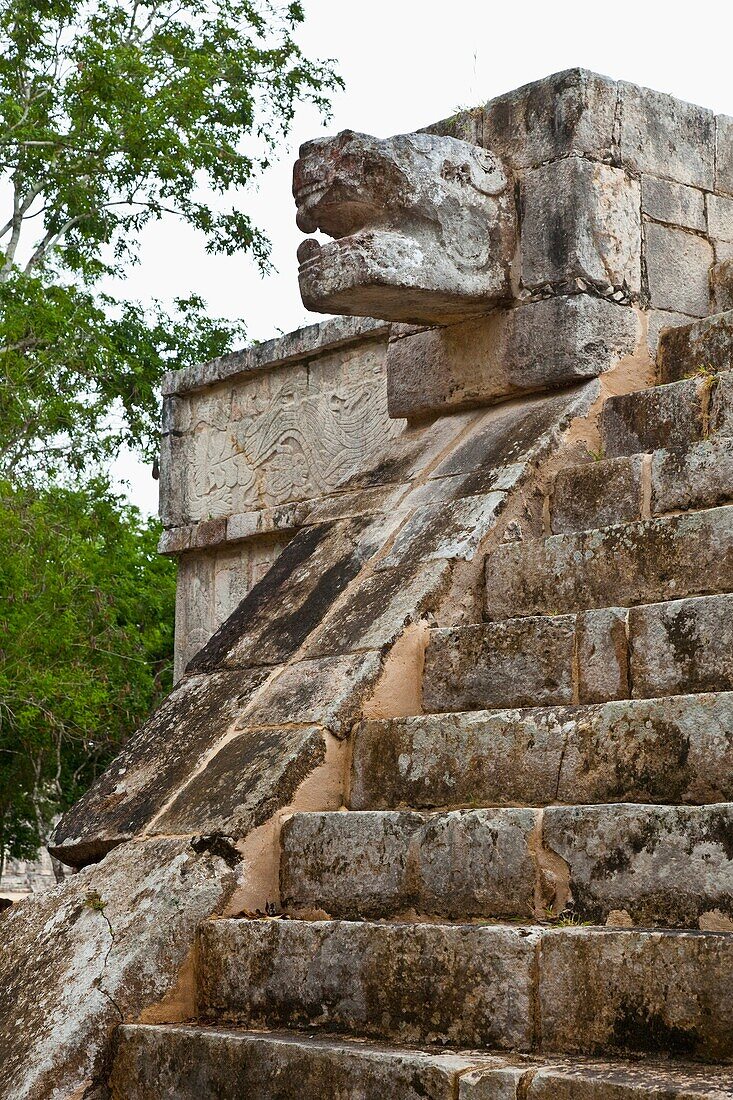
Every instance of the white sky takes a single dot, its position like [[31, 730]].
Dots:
[[408, 63]]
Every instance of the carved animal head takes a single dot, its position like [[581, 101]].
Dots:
[[424, 227]]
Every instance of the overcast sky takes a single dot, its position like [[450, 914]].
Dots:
[[407, 63]]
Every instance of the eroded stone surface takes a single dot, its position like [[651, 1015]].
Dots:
[[516, 663], [195, 1062], [678, 265], [424, 226], [375, 613], [720, 217], [378, 980], [291, 600], [699, 477], [663, 865], [597, 494], [464, 864], [645, 562], [665, 417], [443, 532], [581, 220], [535, 346], [700, 346], [155, 762], [673, 203], [509, 434], [602, 655], [249, 779], [585, 1080], [94, 951], [569, 112], [660, 750], [666, 137], [637, 991], [683, 645]]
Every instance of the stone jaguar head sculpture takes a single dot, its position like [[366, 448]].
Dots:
[[424, 227]]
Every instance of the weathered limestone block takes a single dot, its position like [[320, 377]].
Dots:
[[700, 346], [682, 646], [665, 865], [92, 952], [510, 434], [535, 346], [597, 494], [720, 408], [326, 691], [349, 866], [424, 226], [667, 750], [581, 220], [426, 761], [666, 137], [700, 477], [249, 779], [720, 217], [658, 320], [665, 417], [477, 482], [646, 562], [602, 655], [415, 983], [580, 112], [571, 112], [464, 864], [721, 286], [154, 763], [678, 265], [671, 648], [515, 663], [724, 154], [677, 750], [673, 203], [193, 1062], [443, 532], [375, 613], [637, 991], [585, 1080]]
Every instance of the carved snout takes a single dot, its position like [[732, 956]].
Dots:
[[424, 226], [344, 183]]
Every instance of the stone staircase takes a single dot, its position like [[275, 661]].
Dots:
[[530, 895]]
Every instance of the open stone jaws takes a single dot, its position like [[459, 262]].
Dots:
[[424, 227]]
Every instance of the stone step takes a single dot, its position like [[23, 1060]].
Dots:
[[623, 991], [707, 343], [671, 750], [572, 990], [191, 1062], [644, 562], [621, 490], [677, 647], [636, 864], [668, 417], [459, 985], [199, 1063]]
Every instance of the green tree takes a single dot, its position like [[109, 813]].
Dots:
[[86, 621], [113, 114]]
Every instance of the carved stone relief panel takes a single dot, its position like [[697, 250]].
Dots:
[[283, 436]]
